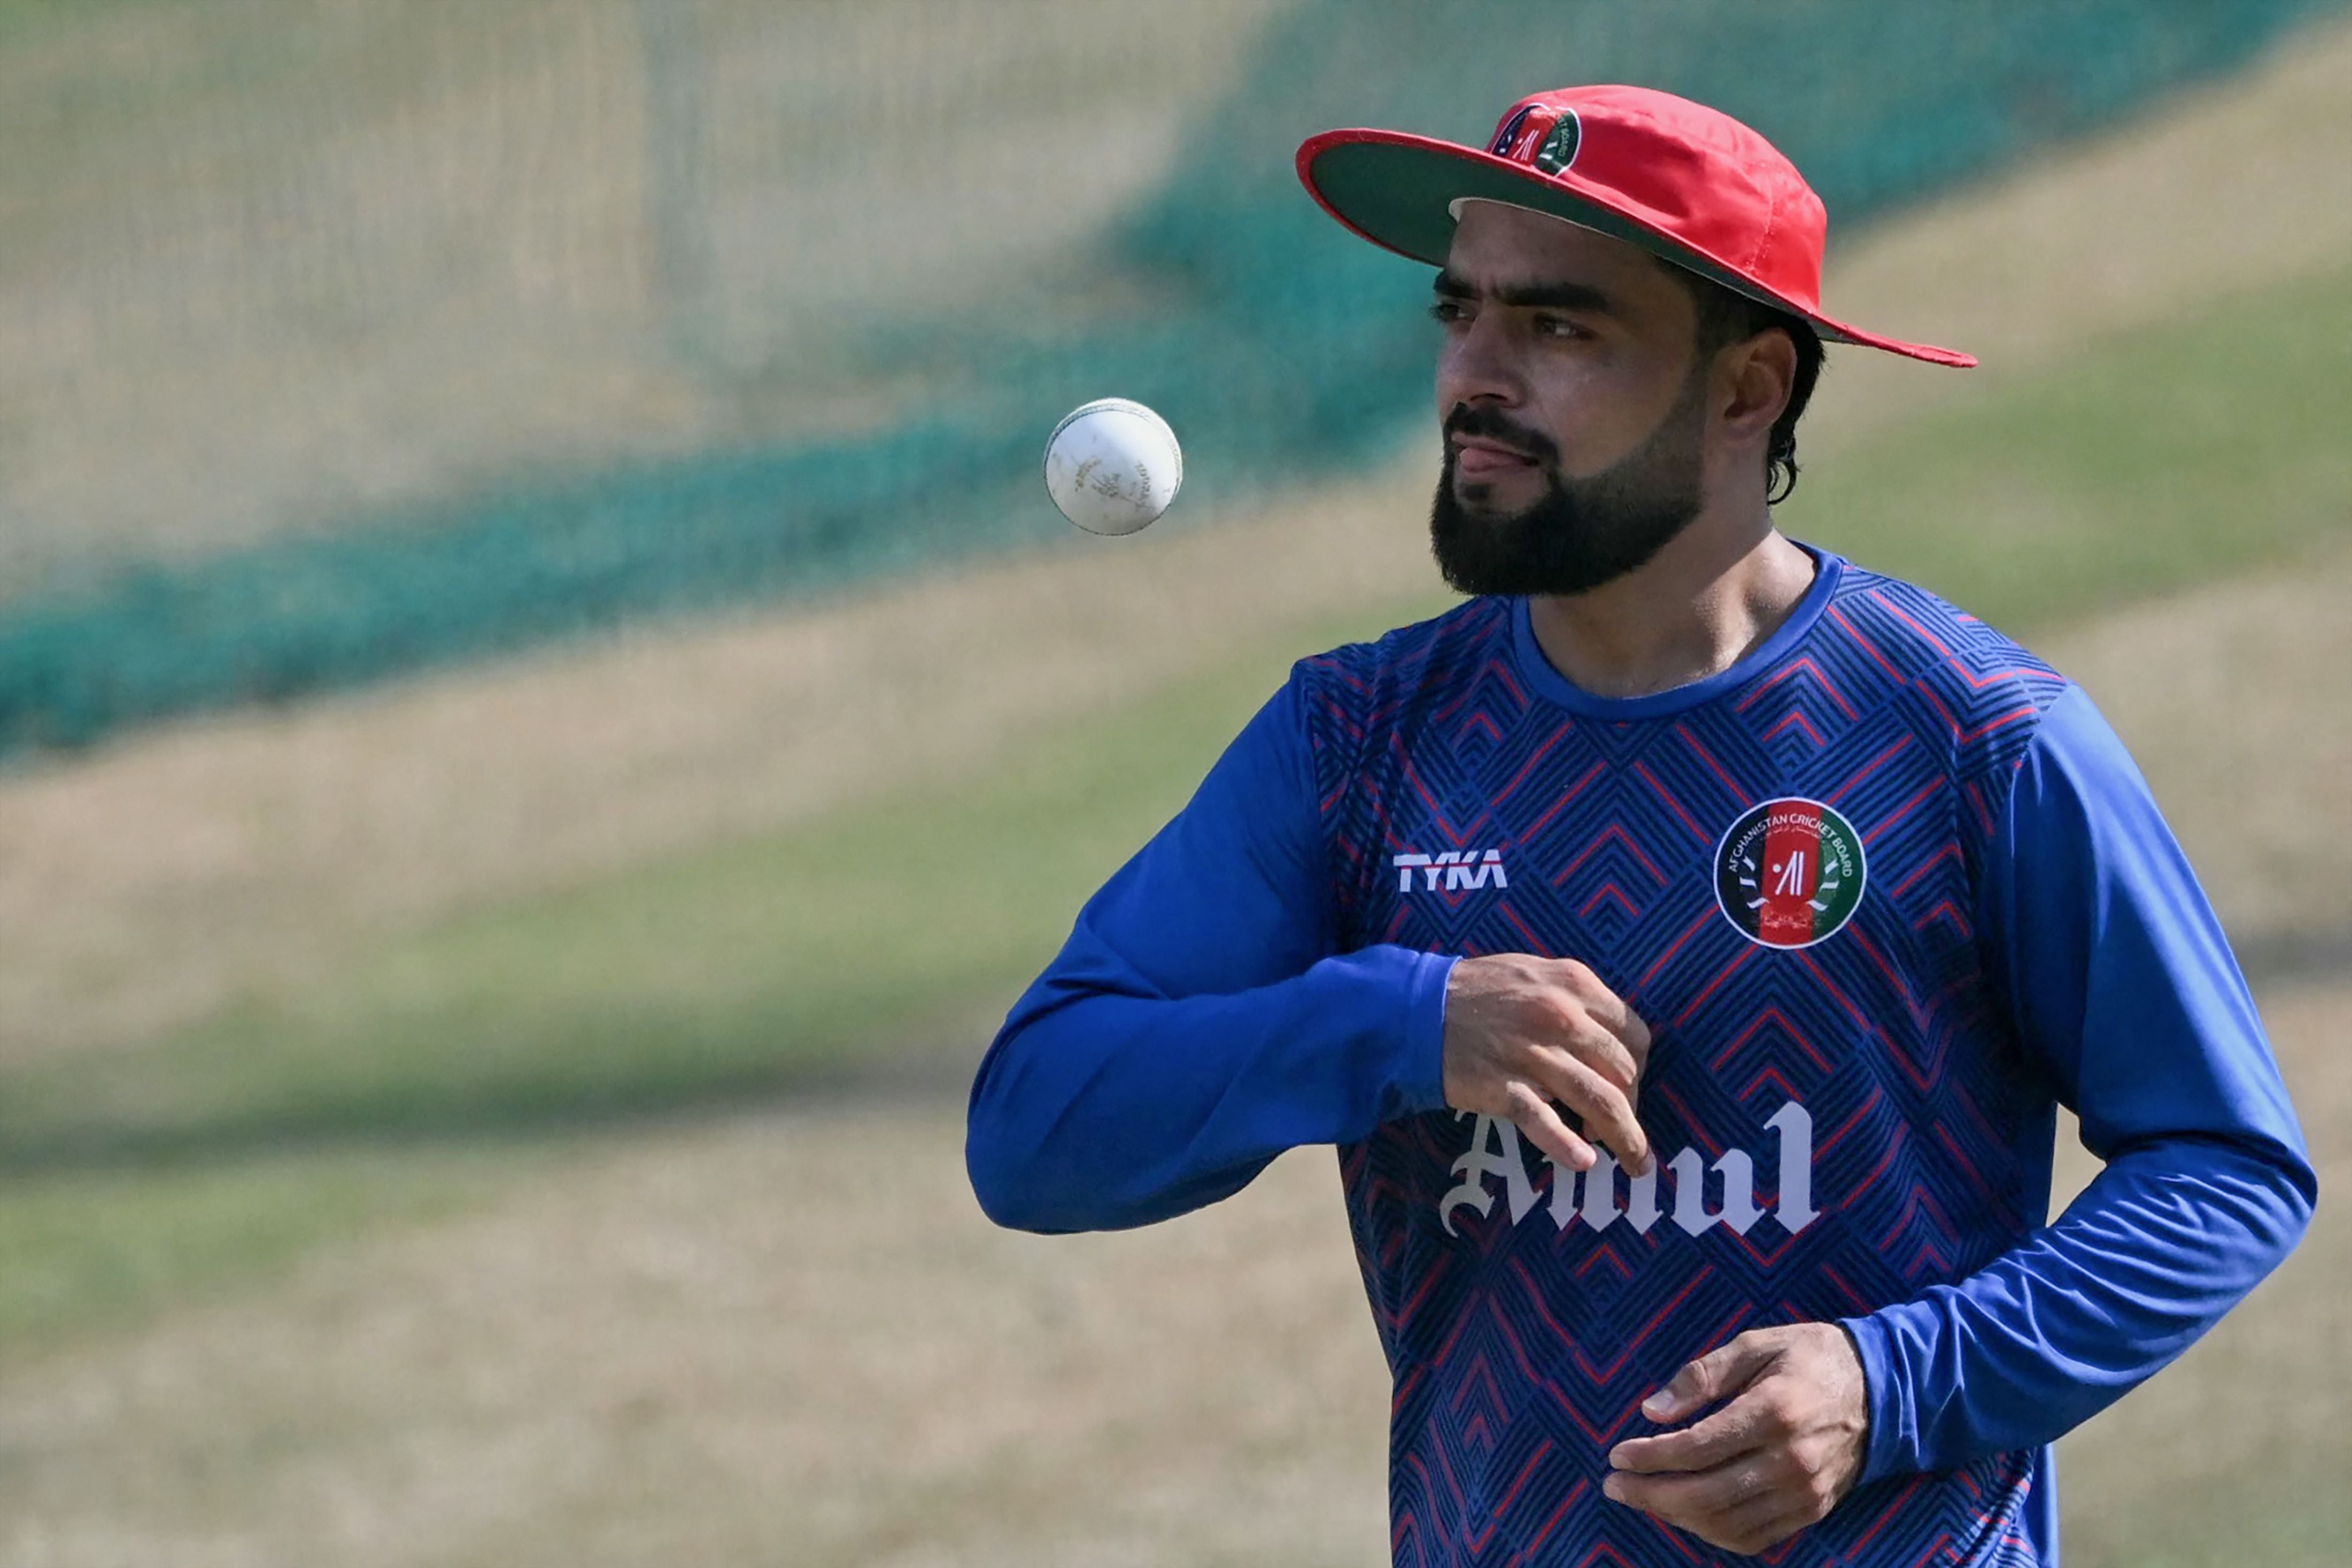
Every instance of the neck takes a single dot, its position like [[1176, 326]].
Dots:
[[1713, 595]]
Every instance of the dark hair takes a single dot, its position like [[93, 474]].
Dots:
[[1725, 317]]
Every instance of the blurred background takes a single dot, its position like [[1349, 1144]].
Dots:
[[544, 713]]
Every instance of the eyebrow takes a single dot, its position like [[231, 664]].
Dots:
[[1530, 295]]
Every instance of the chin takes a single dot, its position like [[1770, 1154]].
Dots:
[[1490, 499]]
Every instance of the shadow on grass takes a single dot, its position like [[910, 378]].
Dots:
[[510, 1113]]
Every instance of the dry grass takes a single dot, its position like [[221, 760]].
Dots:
[[145, 885], [792, 1339], [2236, 701]]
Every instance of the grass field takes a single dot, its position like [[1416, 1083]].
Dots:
[[607, 1207]]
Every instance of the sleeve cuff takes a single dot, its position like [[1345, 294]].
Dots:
[[1893, 1431], [1423, 1083]]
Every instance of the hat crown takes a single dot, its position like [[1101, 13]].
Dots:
[[1688, 170]]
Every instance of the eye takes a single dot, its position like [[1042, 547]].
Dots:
[[1447, 311], [1560, 326]]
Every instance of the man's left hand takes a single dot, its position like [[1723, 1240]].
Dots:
[[1776, 1458]]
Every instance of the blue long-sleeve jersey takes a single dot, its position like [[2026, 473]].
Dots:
[[1887, 892]]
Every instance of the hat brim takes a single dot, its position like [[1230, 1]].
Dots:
[[1397, 189]]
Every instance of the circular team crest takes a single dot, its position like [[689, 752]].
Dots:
[[1788, 873], [1559, 149]]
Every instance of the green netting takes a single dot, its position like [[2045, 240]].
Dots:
[[874, 249]]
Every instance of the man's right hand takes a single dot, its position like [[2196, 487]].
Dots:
[[1523, 1032]]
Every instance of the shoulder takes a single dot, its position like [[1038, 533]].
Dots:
[[1981, 694], [1352, 697], [1360, 684]]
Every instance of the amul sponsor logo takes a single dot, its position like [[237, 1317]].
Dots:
[[1452, 869], [1790, 873], [1594, 1198]]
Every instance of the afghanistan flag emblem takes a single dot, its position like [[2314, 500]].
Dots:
[[1788, 873]]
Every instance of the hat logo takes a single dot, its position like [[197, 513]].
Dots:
[[1508, 131], [1559, 149]]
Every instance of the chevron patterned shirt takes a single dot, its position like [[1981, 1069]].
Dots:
[[1887, 890]]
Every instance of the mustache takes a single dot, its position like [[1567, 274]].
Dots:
[[1488, 425]]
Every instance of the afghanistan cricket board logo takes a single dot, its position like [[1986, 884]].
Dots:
[[1788, 873]]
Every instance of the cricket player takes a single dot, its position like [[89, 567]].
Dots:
[[1687, 941]]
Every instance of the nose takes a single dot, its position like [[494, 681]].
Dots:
[[1478, 365]]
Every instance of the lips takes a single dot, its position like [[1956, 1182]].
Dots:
[[1474, 457]]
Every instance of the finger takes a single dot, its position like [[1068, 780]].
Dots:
[[1718, 1375], [1590, 1042], [1532, 1113], [1612, 1011], [1740, 1427], [1636, 1035], [1754, 1523], [1576, 1017], [1607, 1115], [1693, 1501], [1757, 1525]]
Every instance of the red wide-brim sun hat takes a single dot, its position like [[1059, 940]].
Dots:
[[1687, 183]]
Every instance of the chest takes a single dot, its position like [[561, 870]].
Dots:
[[1785, 868]]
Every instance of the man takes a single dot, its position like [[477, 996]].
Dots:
[[1687, 941]]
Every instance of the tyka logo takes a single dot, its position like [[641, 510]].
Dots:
[[1790, 873], [1460, 869], [1495, 1152]]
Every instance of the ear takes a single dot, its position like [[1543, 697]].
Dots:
[[1753, 381]]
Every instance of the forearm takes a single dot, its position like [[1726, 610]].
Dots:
[[1099, 1108], [2168, 1238]]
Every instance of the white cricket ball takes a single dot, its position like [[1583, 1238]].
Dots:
[[1113, 465]]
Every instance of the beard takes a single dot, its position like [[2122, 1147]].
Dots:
[[1579, 533]]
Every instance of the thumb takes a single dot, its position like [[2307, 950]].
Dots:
[[1716, 1375]]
